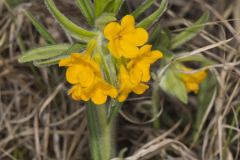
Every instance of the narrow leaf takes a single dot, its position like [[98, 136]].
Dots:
[[197, 58], [117, 4], [144, 6], [173, 85], [150, 20], [75, 30], [190, 32], [101, 6], [44, 52], [105, 18], [75, 48], [160, 39], [114, 110], [98, 6], [86, 8], [40, 28], [205, 99], [49, 62]]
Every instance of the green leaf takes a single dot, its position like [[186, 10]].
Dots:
[[75, 48], [113, 6], [190, 32], [144, 6], [104, 19], [197, 58], [107, 6], [114, 110], [172, 84], [205, 95], [75, 30], [98, 6], [44, 52], [49, 62], [148, 21], [86, 8], [160, 39], [117, 5], [40, 28]]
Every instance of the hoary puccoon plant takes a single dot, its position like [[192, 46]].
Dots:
[[111, 59]]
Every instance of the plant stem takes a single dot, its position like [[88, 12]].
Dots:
[[101, 132]]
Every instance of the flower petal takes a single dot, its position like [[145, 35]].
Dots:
[[128, 50], [192, 87], [98, 97], [135, 75], [110, 90], [127, 23], [123, 95], [111, 31], [113, 48], [75, 92], [154, 56], [199, 76], [65, 62], [146, 73], [72, 74], [141, 88], [145, 50], [137, 37], [86, 78], [85, 97]]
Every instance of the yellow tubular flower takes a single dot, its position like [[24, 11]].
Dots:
[[130, 82], [192, 81], [85, 76], [141, 64], [124, 39]]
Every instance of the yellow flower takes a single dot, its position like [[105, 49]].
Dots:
[[130, 82], [141, 64], [85, 76], [137, 71], [124, 39], [192, 81]]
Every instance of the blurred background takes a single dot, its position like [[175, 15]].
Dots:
[[38, 120]]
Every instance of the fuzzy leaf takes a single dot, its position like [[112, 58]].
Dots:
[[49, 62], [173, 85], [205, 95], [117, 4], [99, 6], [144, 6], [190, 32], [40, 28], [75, 30], [86, 8], [104, 19], [160, 39], [75, 48], [148, 21], [197, 58], [44, 52]]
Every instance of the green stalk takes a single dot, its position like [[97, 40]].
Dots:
[[101, 132]]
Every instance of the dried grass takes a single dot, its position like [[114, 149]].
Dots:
[[39, 121]]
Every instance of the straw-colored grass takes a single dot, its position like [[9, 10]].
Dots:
[[39, 121]]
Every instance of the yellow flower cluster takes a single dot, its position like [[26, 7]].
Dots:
[[136, 73], [193, 80], [127, 43], [85, 76], [132, 57]]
